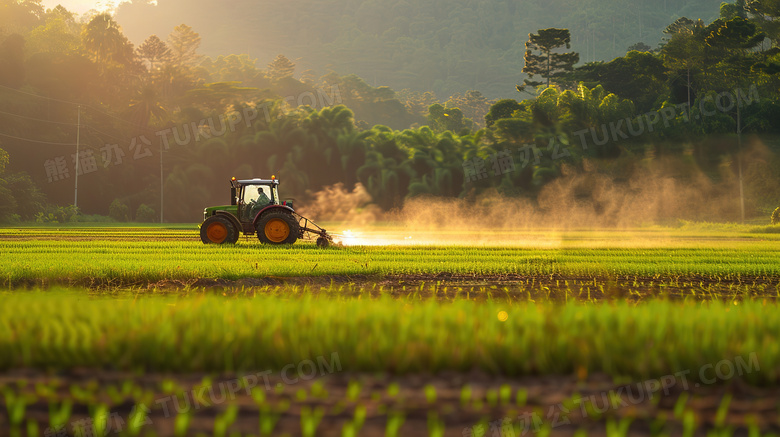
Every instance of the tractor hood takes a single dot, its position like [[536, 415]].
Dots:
[[207, 212]]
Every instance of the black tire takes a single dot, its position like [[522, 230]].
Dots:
[[323, 242], [236, 235], [278, 228], [218, 230]]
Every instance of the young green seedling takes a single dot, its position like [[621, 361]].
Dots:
[[310, 420], [430, 394], [225, 420]]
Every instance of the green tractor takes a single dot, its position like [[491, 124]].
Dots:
[[255, 208]]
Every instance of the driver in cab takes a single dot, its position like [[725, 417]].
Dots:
[[255, 205]]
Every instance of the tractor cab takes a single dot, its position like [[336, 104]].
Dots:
[[255, 208], [251, 196]]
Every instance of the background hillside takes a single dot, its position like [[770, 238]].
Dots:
[[442, 46]]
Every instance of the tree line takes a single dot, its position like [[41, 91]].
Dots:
[[133, 105]]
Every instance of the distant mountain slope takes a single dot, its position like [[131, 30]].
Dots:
[[447, 46]]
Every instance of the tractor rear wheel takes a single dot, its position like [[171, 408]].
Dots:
[[278, 228], [218, 230]]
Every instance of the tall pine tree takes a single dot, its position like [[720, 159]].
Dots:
[[280, 68], [541, 60]]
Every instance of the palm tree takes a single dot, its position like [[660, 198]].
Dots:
[[105, 42], [146, 108], [352, 148], [386, 173]]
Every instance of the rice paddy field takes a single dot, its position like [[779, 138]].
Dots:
[[145, 331]]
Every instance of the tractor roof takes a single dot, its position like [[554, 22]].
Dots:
[[259, 181]]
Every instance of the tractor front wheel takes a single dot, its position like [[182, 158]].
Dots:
[[218, 230], [278, 228]]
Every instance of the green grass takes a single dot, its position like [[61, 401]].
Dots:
[[632, 304], [136, 256], [54, 330], [99, 225]]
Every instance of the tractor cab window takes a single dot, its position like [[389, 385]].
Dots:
[[256, 197], [257, 194]]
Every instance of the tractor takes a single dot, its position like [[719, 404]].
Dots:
[[255, 208]]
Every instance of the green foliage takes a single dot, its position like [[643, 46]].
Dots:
[[555, 116], [767, 11], [105, 42], [29, 200], [59, 35], [548, 63], [776, 216], [473, 104], [548, 338], [417, 103], [184, 43], [737, 9], [682, 25], [637, 76], [12, 59], [501, 109], [374, 105], [735, 34], [4, 159], [235, 68], [119, 211], [280, 68], [8, 204], [57, 214], [640, 47], [145, 214], [154, 52], [450, 119], [20, 199], [683, 56], [92, 219]]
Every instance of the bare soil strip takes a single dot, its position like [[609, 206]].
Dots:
[[447, 286]]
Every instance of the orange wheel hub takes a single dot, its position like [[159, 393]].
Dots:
[[277, 230], [217, 232]]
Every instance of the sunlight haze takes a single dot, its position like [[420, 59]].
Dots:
[[78, 6]]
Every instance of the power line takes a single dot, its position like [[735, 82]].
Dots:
[[110, 116], [83, 105], [65, 144], [36, 141], [38, 119], [62, 144], [61, 123], [41, 97], [102, 133], [129, 123]]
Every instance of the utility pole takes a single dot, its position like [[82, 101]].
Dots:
[[739, 158], [162, 182], [78, 138]]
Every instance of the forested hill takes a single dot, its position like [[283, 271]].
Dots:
[[445, 46]]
